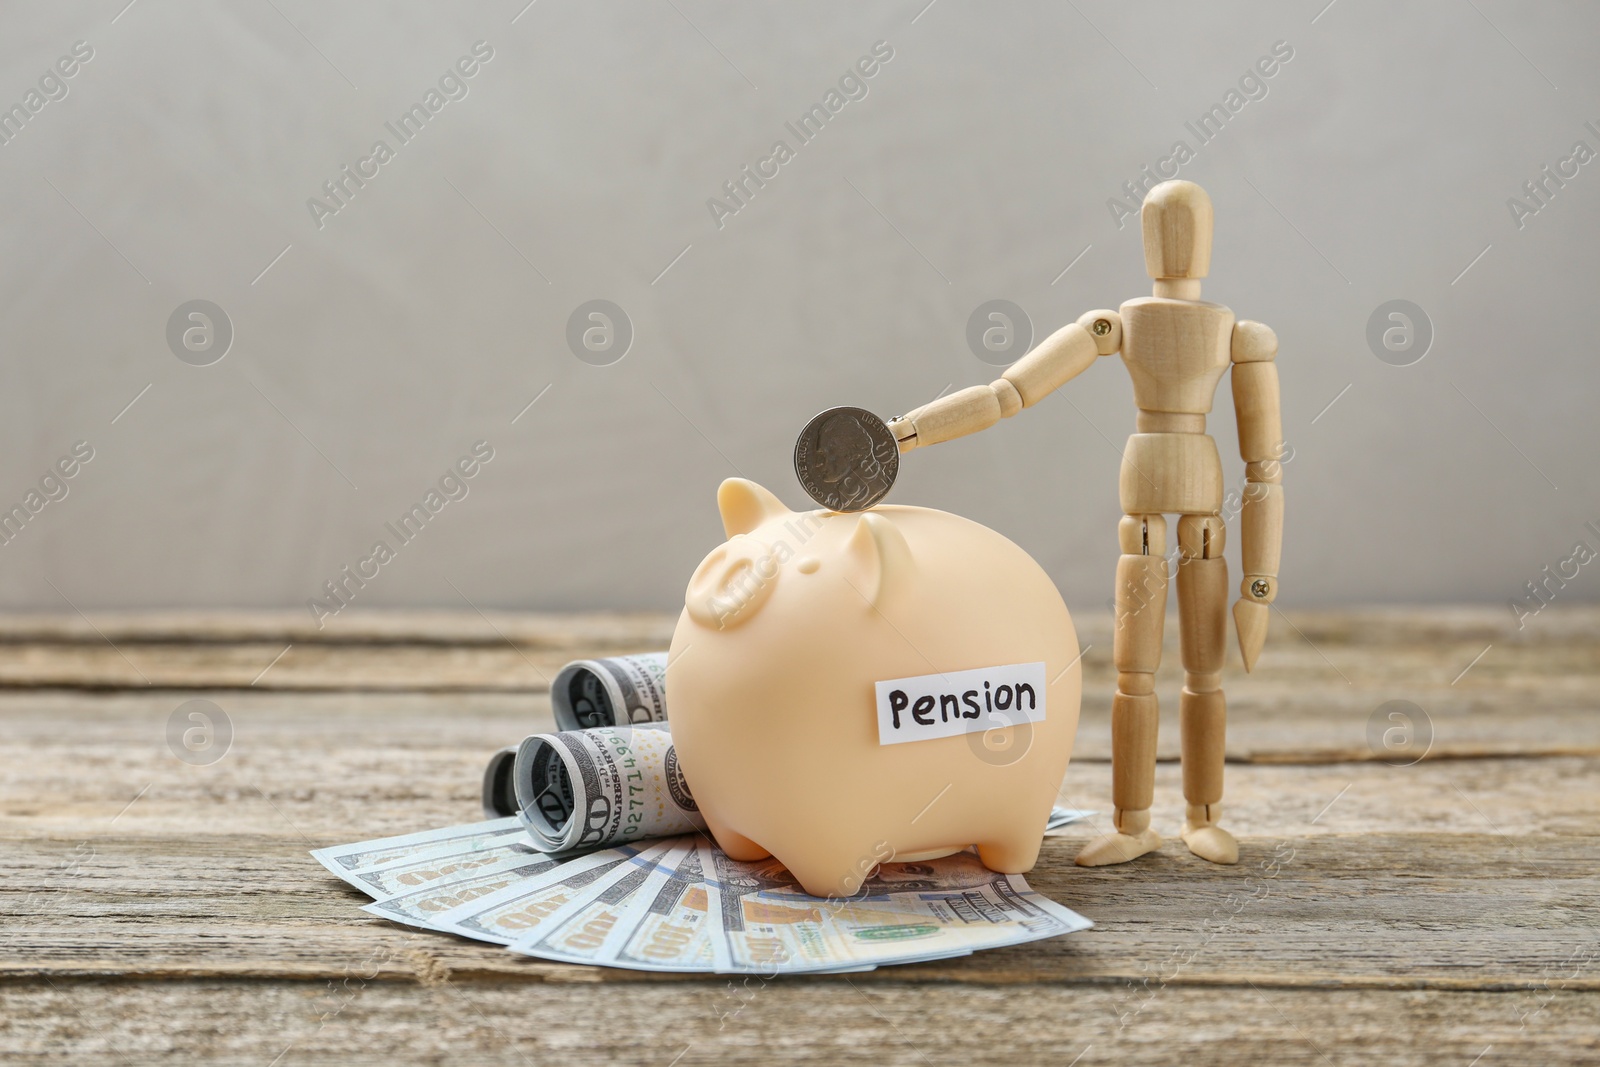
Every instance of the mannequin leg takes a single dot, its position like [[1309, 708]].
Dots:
[[1141, 608], [1203, 622]]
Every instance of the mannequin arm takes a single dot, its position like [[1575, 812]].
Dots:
[[1057, 359], [1256, 403]]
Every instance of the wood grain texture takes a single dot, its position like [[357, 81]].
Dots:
[[817, 1021], [1364, 911], [354, 626], [1380, 912], [955, 415], [1176, 221], [1170, 473], [1056, 360], [1176, 352]]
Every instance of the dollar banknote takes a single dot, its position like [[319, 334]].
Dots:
[[499, 787], [588, 928], [443, 863], [584, 789], [674, 929], [589, 871], [522, 906], [423, 907], [344, 860], [587, 693], [1060, 817], [680, 904], [615, 691], [906, 913], [394, 865]]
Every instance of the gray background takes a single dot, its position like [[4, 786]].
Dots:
[[433, 308]]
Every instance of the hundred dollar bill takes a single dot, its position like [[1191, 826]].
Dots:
[[520, 907], [444, 864], [1060, 817], [900, 928], [422, 907], [499, 787], [674, 929], [345, 859], [588, 929], [615, 691], [582, 789], [907, 912]]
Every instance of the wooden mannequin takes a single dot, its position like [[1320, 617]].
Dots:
[[1176, 348]]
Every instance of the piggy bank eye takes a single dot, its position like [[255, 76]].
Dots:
[[731, 583]]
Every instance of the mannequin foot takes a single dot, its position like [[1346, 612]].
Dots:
[[1132, 839], [1205, 838], [1118, 848]]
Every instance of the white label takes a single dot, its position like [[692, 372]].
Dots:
[[959, 702]]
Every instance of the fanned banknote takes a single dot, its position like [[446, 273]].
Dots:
[[589, 927], [673, 903], [345, 859], [958, 907], [1060, 817], [680, 904], [674, 929], [422, 907], [524, 905], [444, 863]]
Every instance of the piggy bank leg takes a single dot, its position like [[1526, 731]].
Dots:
[[1202, 615], [834, 871], [737, 846], [1015, 856], [1141, 612]]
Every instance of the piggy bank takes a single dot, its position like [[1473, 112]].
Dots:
[[850, 689]]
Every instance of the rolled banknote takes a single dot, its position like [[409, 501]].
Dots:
[[615, 691], [587, 789], [499, 788]]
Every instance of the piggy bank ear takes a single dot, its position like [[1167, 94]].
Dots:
[[746, 505], [878, 558]]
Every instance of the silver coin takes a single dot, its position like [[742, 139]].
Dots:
[[847, 459]]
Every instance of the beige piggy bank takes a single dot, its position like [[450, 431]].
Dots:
[[849, 689]]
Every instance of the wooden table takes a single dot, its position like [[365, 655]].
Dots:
[[1442, 911]]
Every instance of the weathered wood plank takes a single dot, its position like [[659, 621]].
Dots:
[[1375, 910], [576, 630], [337, 780], [1416, 914], [1379, 853], [1364, 657], [362, 760], [388, 667], [1384, 627], [815, 1021]]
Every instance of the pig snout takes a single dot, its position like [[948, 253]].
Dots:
[[731, 583]]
